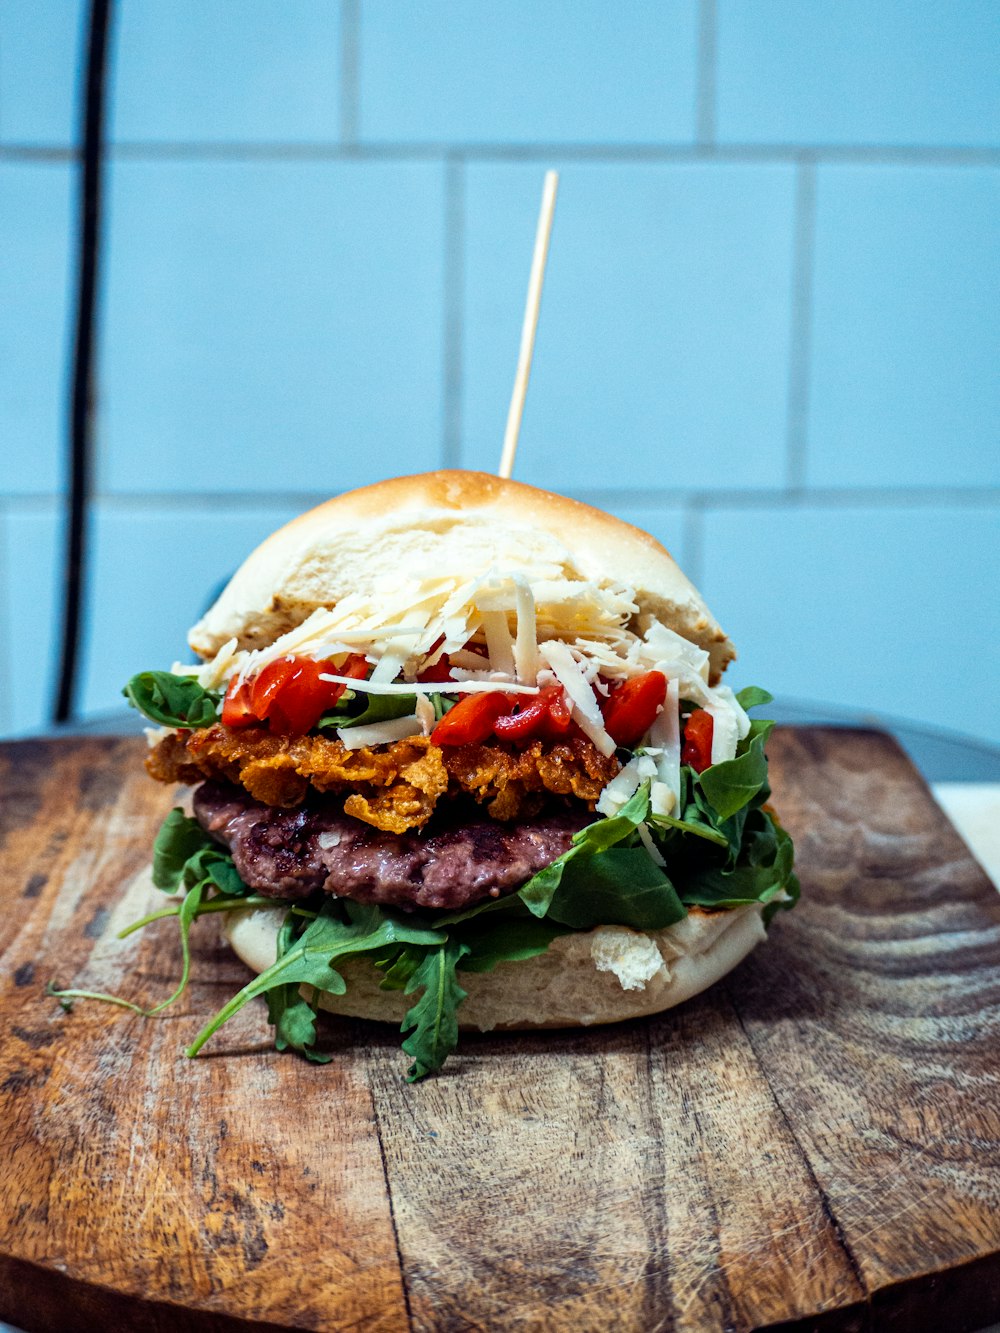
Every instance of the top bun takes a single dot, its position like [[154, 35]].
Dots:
[[442, 523]]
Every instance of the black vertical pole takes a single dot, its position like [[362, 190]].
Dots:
[[81, 401]]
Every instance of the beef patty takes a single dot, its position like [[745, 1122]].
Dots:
[[451, 863]]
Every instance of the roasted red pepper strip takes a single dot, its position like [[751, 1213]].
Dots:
[[697, 749], [546, 715], [472, 718], [632, 705], [288, 695], [236, 709], [438, 673]]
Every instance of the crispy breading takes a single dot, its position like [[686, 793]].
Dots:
[[512, 783], [394, 787]]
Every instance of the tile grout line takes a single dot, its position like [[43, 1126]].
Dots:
[[800, 338], [705, 89], [894, 498], [38, 153], [454, 303], [350, 44], [898, 155]]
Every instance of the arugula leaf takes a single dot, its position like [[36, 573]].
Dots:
[[214, 866], [179, 838], [504, 940], [735, 782], [378, 708], [290, 1014], [763, 870], [173, 701], [193, 905], [539, 891], [206, 907], [690, 825], [693, 819], [399, 966], [443, 703], [619, 887], [382, 708], [431, 1027], [184, 855], [752, 696], [793, 891], [309, 961], [188, 912]]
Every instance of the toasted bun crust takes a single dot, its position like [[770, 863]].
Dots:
[[440, 523], [596, 976]]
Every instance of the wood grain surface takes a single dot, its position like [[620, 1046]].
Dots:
[[815, 1143]]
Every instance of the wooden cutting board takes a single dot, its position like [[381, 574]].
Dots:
[[815, 1143]]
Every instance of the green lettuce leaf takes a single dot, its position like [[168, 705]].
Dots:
[[310, 959], [621, 886], [731, 785], [760, 873], [290, 1014], [752, 696], [430, 1028], [357, 709], [184, 855], [173, 701], [539, 891], [490, 940]]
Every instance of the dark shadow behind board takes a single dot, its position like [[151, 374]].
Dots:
[[815, 1143]]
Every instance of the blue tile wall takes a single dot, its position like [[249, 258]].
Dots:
[[197, 71], [36, 202], [155, 571], [858, 72], [271, 325], [664, 333], [906, 342], [769, 335], [41, 42], [30, 574], [880, 607], [524, 72]]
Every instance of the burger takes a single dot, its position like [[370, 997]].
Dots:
[[461, 757]]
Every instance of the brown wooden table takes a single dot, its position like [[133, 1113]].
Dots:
[[815, 1143]]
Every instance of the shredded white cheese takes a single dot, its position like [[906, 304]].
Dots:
[[625, 783], [661, 798], [646, 838], [535, 623], [379, 733], [526, 643], [665, 735], [499, 643], [425, 714], [579, 692], [429, 687]]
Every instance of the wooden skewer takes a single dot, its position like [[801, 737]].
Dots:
[[530, 325]]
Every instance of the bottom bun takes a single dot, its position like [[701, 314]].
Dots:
[[604, 975]]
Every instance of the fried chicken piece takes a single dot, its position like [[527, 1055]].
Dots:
[[394, 787], [512, 783]]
